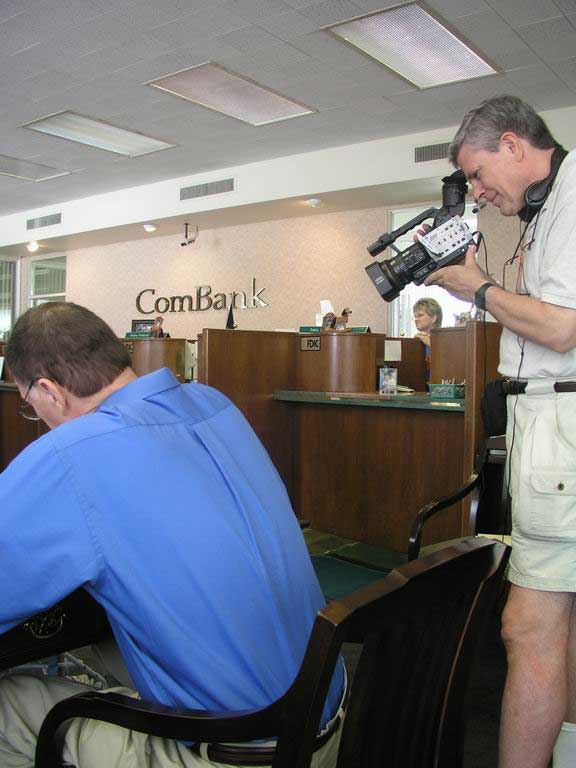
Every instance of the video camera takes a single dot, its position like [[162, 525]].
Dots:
[[445, 243]]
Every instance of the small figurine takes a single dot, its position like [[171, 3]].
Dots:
[[342, 320], [328, 321], [156, 330]]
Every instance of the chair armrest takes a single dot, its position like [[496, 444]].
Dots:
[[429, 510], [153, 719]]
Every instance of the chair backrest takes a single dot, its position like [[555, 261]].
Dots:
[[419, 627]]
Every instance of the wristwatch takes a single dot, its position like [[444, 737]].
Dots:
[[480, 295]]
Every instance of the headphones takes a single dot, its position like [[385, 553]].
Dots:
[[536, 193]]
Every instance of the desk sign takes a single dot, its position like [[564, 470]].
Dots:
[[310, 343]]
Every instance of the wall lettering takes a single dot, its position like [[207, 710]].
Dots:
[[147, 303]]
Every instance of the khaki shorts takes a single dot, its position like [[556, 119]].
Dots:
[[542, 452]]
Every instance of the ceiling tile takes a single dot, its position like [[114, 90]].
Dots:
[[552, 40], [198, 26], [95, 55], [250, 39], [256, 9], [288, 24], [566, 71], [567, 6], [324, 46], [332, 11], [456, 9], [497, 40], [521, 12]]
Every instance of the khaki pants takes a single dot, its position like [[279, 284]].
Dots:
[[25, 700]]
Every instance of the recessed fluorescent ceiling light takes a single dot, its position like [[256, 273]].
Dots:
[[214, 87], [22, 169], [95, 133], [411, 42]]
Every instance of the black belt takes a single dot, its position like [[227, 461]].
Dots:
[[519, 387], [252, 754]]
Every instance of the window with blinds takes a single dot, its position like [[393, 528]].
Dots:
[[47, 280], [7, 296]]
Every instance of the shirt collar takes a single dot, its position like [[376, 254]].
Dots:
[[141, 388]]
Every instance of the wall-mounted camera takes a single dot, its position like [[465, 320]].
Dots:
[[190, 234]]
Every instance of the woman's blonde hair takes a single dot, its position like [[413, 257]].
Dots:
[[431, 307]]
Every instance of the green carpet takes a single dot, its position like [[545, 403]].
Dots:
[[320, 543], [338, 578], [379, 558]]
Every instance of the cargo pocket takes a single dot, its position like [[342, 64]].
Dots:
[[553, 502], [550, 473]]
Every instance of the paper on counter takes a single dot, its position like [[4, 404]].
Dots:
[[325, 307], [392, 351], [189, 359]]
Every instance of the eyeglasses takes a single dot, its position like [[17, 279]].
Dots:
[[26, 410]]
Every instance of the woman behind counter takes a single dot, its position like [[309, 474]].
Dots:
[[427, 315]]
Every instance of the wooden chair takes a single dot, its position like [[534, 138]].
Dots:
[[419, 627]]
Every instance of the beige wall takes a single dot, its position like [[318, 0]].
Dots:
[[501, 234], [297, 262]]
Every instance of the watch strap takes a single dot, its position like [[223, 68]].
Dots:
[[480, 295]]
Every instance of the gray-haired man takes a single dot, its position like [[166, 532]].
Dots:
[[511, 160]]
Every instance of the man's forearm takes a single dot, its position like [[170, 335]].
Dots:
[[546, 324]]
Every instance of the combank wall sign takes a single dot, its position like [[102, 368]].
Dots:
[[199, 301]]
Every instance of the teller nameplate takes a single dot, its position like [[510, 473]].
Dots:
[[310, 343]]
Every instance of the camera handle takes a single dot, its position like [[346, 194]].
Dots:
[[386, 240]]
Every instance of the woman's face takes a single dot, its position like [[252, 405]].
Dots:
[[424, 321]]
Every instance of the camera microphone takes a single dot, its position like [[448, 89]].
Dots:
[[479, 205]]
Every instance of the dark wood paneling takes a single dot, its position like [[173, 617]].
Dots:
[[6, 375], [448, 354], [349, 363], [363, 473], [15, 431], [248, 366], [482, 358], [412, 367], [346, 362], [151, 354]]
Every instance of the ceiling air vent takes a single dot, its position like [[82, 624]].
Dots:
[[211, 188], [431, 152], [44, 221]]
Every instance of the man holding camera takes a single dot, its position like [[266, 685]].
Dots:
[[511, 160]]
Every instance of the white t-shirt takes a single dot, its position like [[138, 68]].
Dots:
[[549, 275]]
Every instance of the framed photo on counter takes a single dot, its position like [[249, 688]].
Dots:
[[144, 325]]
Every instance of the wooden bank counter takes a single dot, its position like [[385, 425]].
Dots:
[[360, 466], [365, 463]]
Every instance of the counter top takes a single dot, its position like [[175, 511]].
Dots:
[[415, 401], [6, 385]]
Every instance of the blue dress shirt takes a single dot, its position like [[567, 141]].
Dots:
[[166, 507]]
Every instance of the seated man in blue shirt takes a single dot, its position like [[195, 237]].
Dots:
[[159, 500]]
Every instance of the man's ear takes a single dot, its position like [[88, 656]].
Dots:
[[53, 391], [512, 145]]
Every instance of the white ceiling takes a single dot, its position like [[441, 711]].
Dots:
[[94, 56]]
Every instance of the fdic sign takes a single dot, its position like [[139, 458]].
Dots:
[[201, 300], [310, 343]]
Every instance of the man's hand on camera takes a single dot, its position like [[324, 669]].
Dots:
[[461, 280]]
